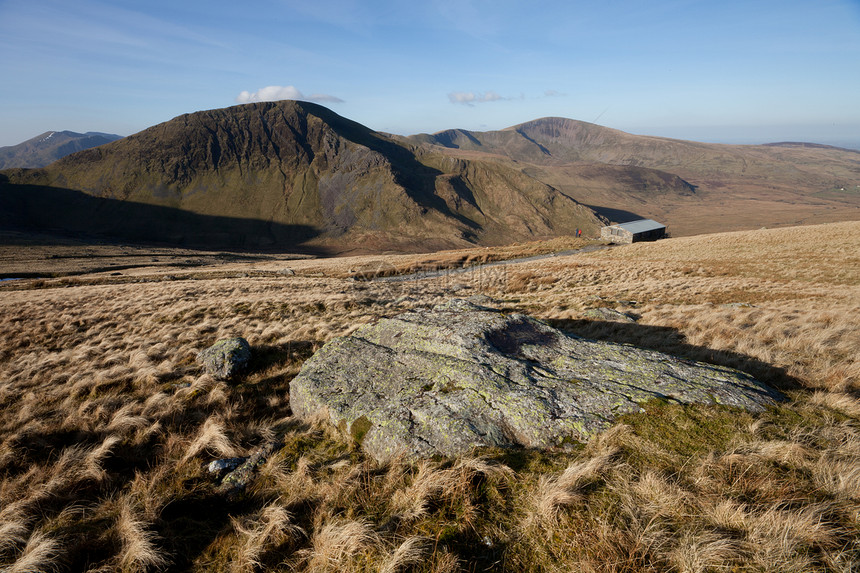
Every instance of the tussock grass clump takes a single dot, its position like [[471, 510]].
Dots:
[[107, 424], [140, 550], [41, 553], [272, 528]]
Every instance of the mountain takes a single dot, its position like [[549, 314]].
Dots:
[[694, 187], [292, 175], [50, 146], [283, 175]]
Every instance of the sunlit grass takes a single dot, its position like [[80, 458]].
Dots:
[[108, 423]]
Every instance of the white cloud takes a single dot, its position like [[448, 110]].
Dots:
[[277, 93], [471, 98]]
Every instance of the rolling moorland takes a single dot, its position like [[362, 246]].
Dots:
[[108, 423]]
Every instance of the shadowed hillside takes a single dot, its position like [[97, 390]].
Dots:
[[26, 208], [299, 164]]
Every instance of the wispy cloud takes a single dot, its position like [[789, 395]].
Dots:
[[277, 93], [471, 98], [324, 98]]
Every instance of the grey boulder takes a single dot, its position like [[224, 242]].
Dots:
[[608, 314], [226, 358], [445, 380]]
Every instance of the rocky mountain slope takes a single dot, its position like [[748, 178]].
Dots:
[[50, 146], [284, 174]]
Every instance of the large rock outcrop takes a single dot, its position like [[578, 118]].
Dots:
[[445, 380]]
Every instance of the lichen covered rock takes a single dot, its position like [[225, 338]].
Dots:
[[226, 358], [445, 380], [237, 481], [608, 314], [225, 465]]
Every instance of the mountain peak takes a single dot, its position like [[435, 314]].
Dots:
[[47, 147]]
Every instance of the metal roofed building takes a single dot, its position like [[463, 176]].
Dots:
[[634, 231]]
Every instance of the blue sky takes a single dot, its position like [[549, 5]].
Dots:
[[727, 71]]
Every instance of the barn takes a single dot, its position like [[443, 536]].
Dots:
[[634, 231]]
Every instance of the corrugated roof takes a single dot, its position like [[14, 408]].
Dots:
[[641, 226]]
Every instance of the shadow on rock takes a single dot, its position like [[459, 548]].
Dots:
[[671, 341], [266, 356]]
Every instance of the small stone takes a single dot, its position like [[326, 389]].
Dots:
[[286, 272], [225, 465], [482, 300], [226, 358], [235, 482]]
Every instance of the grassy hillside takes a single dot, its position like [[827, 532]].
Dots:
[[107, 422], [693, 187]]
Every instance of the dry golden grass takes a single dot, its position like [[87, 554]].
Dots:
[[107, 422], [271, 528]]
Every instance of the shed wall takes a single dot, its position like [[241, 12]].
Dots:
[[616, 235]]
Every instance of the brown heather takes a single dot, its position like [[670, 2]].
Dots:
[[107, 423]]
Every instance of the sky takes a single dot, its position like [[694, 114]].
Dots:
[[750, 71]]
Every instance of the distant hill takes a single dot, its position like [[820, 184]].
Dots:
[[50, 146], [279, 175], [694, 187], [809, 145]]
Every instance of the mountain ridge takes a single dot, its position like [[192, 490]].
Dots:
[[47, 147], [300, 164], [695, 187]]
